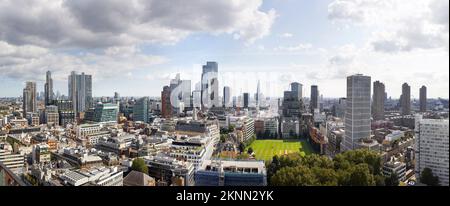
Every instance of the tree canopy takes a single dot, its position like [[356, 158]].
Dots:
[[427, 177], [351, 168], [139, 165]]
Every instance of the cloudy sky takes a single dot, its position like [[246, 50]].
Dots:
[[135, 47]]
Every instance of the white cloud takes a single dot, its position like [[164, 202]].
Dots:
[[299, 47], [106, 23], [286, 35], [108, 63], [396, 25]]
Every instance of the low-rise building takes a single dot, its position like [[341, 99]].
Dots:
[[163, 168], [396, 167], [231, 173], [97, 176]]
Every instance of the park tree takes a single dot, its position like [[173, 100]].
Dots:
[[294, 176], [290, 160], [427, 177], [250, 150], [354, 157], [241, 147], [139, 165], [325, 177], [392, 180], [360, 176], [380, 180]]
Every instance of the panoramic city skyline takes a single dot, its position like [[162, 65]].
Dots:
[[224, 93], [313, 43]]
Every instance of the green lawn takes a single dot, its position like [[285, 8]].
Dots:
[[266, 149]]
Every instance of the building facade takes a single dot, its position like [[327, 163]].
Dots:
[[405, 99], [378, 101], [357, 114], [29, 98], [80, 91], [140, 110], [423, 99], [432, 147]]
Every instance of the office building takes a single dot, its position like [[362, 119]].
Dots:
[[140, 110], [314, 102], [297, 90], [80, 92], [258, 95], [292, 105], [103, 113], [181, 91], [166, 106], [339, 108], [48, 87], [432, 147], [51, 115], [41, 153], [33, 119], [231, 173], [227, 97], [66, 112], [246, 100], [357, 114], [210, 85], [395, 167], [29, 98], [378, 101], [423, 99], [405, 99]]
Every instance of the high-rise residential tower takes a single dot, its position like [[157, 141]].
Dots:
[[314, 102], [48, 88], [80, 91], [432, 141], [405, 100], [210, 85], [423, 99], [29, 98], [357, 114], [378, 100]]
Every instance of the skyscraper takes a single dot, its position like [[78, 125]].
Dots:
[[378, 100], [226, 97], [140, 110], [292, 106], [357, 114], [210, 85], [297, 88], [29, 98], [258, 95], [166, 106], [314, 103], [405, 100], [246, 100], [48, 88], [423, 99], [432, 138], [181, 91], [80, 91]]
